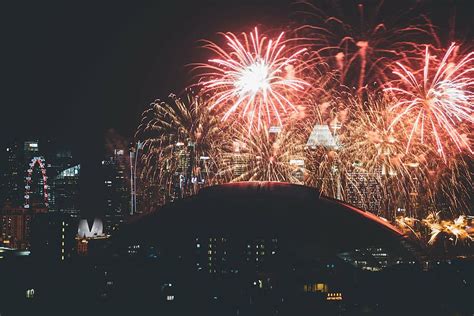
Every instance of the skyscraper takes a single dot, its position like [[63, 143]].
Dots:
[[321, 135], [11, 184], [364, 190], [15, 227], [116, 189], [66, 190], [37, 177]]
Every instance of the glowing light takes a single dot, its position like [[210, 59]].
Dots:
[[173, 133], [437, 101], [255, 77], [361, 43], [262, 156], [459, 228]]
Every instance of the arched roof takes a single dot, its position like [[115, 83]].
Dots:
[[263, 209]]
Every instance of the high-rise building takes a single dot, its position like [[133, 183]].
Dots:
[[37, 177], [31, 149], [15, 227], [12, 175], [321, 135], [116, 189], [59, 160], [324, 136], [66, 190], [364, 190]]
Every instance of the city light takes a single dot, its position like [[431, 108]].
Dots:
[[313, 157]]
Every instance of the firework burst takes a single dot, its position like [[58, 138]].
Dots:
[[255, 77], [360, 42], [437, 101], [179, 139], [324, 170], [371, 146], [459, 228], [263, 155]]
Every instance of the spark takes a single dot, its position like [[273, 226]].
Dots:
[[437, 101], [361, 43], [263, 156], [179, 142], [459, 228], [255, 77]]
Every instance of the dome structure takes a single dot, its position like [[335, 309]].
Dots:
[[294, 214]]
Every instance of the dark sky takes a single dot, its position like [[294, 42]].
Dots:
[[77, 66], [74, 69]]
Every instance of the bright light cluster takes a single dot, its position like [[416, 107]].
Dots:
[[255, 77]]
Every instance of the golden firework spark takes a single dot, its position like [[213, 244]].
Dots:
[[179, 140], [269, 154]]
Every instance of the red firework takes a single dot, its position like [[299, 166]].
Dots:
[[437, 100]]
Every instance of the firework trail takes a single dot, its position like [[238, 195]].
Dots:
[[266, 106], [457, 229], [360, 42], [370, 139], [370, 145], [407, 225], [436, 101], [179, 139], [263, 155], [255, 77], [324, 171], [368, 148]]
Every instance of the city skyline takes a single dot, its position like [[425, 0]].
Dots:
[[238, 157]]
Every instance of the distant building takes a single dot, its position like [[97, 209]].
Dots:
[[254, 244], [90, 239], [37, 177], [117, 190], [321, 135], [66, 190], [15, 227], [12, 175], [364, 190], [29, 172], [53, 236]]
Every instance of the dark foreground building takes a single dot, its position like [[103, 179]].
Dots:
[[247, 249]]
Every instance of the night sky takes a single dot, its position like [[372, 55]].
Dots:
[[73, 70]]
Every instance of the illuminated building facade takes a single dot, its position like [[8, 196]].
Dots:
[[364, 191], [116, 189], [238, 245], [12, 172], [66, 190], [323, 135], [90, 240], [15, 227]]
